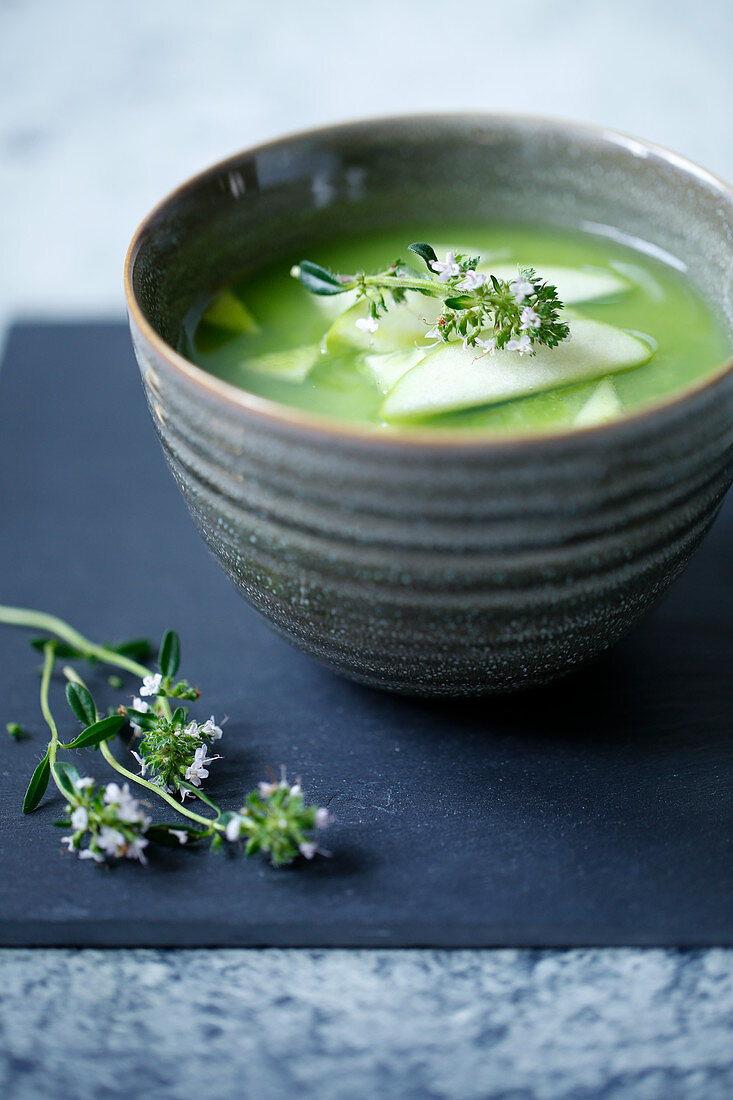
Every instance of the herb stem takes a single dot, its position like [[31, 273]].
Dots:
[[179, 807], [49, 659], [39, 620], [440, 290]]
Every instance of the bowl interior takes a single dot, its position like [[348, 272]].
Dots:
[[276, 200]]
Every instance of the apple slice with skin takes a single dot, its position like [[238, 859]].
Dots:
[[388, 367], [290, 365], [454, 377], [229, 312], [602, 405], [400, 327]]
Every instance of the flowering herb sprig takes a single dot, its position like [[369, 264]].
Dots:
[[276, 818], [109, 818], [104, 821], [480, 310]]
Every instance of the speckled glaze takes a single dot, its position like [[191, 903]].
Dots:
[[436, 564]]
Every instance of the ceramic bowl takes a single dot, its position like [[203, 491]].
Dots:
[[435, 564]]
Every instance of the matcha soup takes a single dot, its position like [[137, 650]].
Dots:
[[638, 331]]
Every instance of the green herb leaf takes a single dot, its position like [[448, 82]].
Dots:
[[81, 703], [137, 648], [146, 720], [165, 835], [170, 653], [37, 786], [98, 732], [66, 776], [17, 732], [61, 649], [319, 280], [425, 251], [179, 716], [461, 301]]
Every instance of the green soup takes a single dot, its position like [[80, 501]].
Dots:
[[268, 335]]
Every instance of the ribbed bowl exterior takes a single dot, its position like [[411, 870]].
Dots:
[[440, 570], [429, 564]]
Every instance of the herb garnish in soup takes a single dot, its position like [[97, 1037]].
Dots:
[[517, 329]]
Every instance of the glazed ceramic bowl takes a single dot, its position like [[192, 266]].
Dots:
[[435, 564]]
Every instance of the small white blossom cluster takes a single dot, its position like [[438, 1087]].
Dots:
[[115, 821], [276, 820], [172, 751], [515, 304]]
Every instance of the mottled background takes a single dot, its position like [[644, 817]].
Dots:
[[104, 108]]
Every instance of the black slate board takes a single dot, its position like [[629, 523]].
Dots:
[[594, 811]]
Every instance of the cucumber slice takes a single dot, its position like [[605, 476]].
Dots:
[[602, 405], [399, 328], [229, 312], [388, 367], [573, 284], [291, 365], [454, 378]]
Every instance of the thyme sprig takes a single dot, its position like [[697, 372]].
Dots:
[[105, 821], [479, 309]]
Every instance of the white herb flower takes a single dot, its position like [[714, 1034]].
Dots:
[[151, 684], [89, 853], [79, 819], [488, 346], [523, 345], [529, 318], [180, 834], [113, 792], [83, 782], [128, 808], [472, 280], [233, 828], [69, 842], [521, 288], [446, 269], [210, 729], [323, 818], [143, 707], [367, 324], [308, 849], [141, 762], [134, 849], [267, 789], [198, 768], [111, 841], [191, 730]]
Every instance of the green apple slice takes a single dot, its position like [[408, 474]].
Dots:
[[398, 329], [229, 312], [388, 367], [602, 405], [332, 305], [574, 284], [454, 377], [290, 365]]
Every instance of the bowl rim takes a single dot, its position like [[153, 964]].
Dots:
[[318, 424]]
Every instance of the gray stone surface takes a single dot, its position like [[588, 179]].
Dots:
[[103, 109], [335, 1024]]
